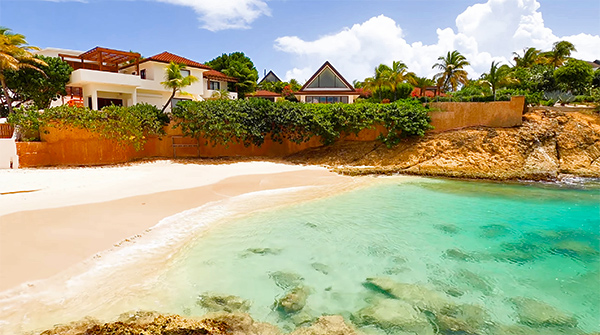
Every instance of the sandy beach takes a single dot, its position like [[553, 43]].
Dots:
[[52, 219]]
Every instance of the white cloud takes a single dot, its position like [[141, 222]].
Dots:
[[485, 32], [225, 14]]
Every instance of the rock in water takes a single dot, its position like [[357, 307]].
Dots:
[[392, 314], [417, 295], [574, 249], [327, 325], [320, 267], [261, 252], [293, 301], [226, 303], [286, 280], [463, 319], [535, 313]]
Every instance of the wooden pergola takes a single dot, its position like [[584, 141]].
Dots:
[[104, 59]]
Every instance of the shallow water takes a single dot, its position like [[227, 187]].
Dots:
[[473, 242]]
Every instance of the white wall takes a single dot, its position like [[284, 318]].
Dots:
[[8, 154]]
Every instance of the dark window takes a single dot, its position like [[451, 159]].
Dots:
[[327, 100], [327, 79], [175, 101], [103, 102], [143, 74], [215, 85]]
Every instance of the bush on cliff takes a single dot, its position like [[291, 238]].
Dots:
[[252, 121]]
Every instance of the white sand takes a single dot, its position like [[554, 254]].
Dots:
[[67, 187]]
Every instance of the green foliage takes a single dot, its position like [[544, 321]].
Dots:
[[553, 97], [576, 75], [251, 121], [452, 73], [41, 88], [596, 79], [126, 125], [239, 66], [175, 81]]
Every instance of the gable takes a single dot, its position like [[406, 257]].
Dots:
[[327, 78], [270, 78]]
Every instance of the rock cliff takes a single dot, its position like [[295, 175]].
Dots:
[[547, 146]]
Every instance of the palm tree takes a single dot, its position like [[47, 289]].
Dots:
[[176, 81], [15, 54], [379, 80], [531, 56], [561, 51], [397, 74], [497, 76], [452, 70]]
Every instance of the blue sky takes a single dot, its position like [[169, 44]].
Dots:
[[294, 37]]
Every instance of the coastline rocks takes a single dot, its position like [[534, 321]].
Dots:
[[293, 301], [242, 324], [390, 314], [286, 280], [327, 325], [417, 295], [226, 303], [535, 313]]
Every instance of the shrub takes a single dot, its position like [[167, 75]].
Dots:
[[126, 125], [251, 121]]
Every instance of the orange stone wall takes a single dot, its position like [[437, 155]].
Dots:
[[81, 147]]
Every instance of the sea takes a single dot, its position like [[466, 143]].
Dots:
[[526, 255]]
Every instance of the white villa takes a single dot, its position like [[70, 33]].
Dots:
[[102, 77]]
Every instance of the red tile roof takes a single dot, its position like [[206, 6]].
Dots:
[[263, 93], [212, 74], [167, 57]]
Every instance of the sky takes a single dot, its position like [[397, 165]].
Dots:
[[295, 37]]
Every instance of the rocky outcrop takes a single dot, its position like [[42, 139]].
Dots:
[[548, 144]]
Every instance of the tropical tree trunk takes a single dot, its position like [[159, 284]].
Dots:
[[170, 101], [6, 94]]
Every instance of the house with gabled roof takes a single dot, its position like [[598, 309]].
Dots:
[[103, 76], [270, 77], [327, 85]]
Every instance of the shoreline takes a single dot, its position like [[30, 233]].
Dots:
[[40, 243]]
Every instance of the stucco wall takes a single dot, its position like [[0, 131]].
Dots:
[[79, 147], [456, 115]]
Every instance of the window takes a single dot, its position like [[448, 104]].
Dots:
[[327, 79], [184, 73], [175, 101], [326, 100], [143, 74], [215, 85]]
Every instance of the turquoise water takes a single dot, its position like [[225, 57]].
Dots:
[[472, 243]]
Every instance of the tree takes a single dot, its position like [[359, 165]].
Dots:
[[396, 75], [239, 66], [576, 75], [531, 56], [452, 73], [561, 51], [497, 76], [378, 81], [14, 54], [176, 81], [40, 88]]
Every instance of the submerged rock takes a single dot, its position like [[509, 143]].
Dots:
[[466, 319], [494, 231], [226, 303], [327, 325], [242, 324], [392, 314], [320, 267], [574, 249], [447, 228], [459, 255], [472, 281], [417, 295], [261, 252], [535, 313], [293, 301], [286, 280], [519, 252]]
